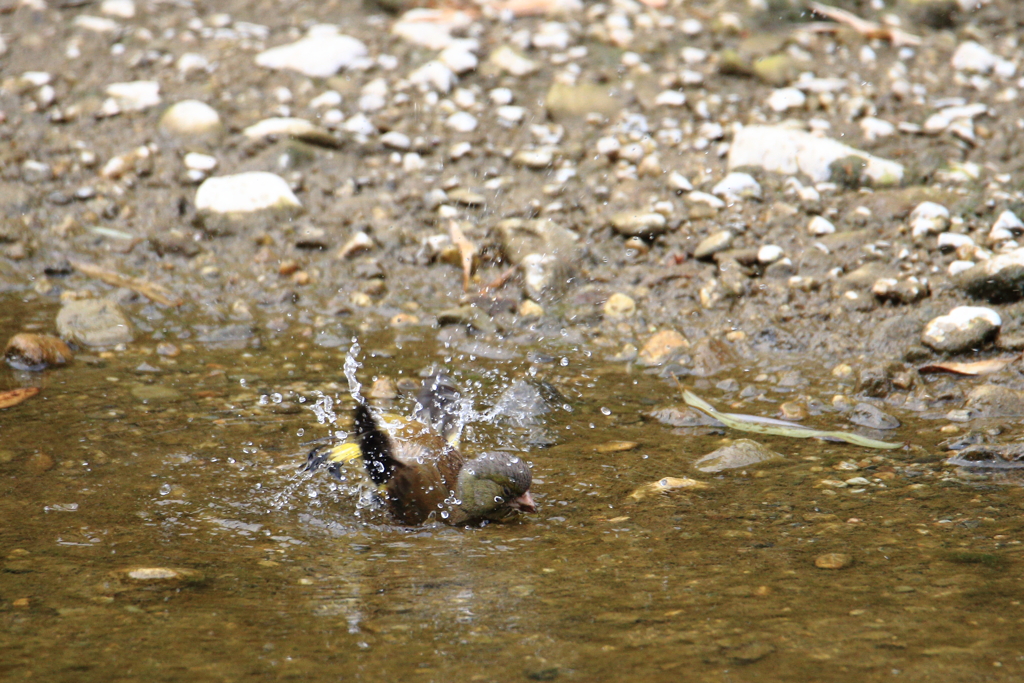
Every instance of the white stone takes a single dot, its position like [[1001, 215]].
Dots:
[[190, 63], [608, 146], [784, 99], [551, 35], [326, 100], [928, 218], [974, 57], [134, 95], [323, 52], [787, 151], [769, 253], [359, 125], [434, 75], [191, 117], [500, 96], [962, 328], [951, 241], [283, 126], [1006, 227], [693, 55], [96, 24], [459, 57], [510, 61], [957, 267], [123, 9], [736, 186], [874, 128], [430, 28], [511, 114], [461, 122], [670, 98], [413, 162], [396, 140], [245, 193], [819, 225], [705, 198], [678, 182], [200, 162]]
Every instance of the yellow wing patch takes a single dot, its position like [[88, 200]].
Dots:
[[344, 452]]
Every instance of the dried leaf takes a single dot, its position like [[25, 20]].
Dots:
[[16, 396], [980, 367]]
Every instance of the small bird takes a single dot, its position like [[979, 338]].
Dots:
[[417, 465]]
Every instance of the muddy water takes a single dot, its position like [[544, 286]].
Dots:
[[191, 464]]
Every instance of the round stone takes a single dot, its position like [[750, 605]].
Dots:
[[619, 306]]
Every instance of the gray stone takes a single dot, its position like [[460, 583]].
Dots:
[[867, 415], [998, 280], [990, 400], [965, 327], [94, 322]]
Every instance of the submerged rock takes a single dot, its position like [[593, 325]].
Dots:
[[94, 322], [740, 453]]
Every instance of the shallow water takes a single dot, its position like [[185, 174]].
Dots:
[[130, 459]]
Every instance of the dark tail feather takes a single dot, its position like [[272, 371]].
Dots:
[[375, 445], [437, 404], [320, 455]]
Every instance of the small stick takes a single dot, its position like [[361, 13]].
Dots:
[[150, 290]]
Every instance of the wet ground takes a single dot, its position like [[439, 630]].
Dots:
[[154, 520]]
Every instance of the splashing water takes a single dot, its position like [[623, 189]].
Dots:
[[351, 367]]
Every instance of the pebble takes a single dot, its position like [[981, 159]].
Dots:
[[223, 200], [662, 346], [619, 306], [788, 151], [963, 328], [769, 253], [1006, 227], [833, 561], [191, 118], [998, 280], [534, 158], [297, 128], [709, 200], [875, 128], [739, 454], [670, 98], [323, 52], [678, 182], [712, 244], [639, 224], [461, 122], [952, 241], [819, 226], [122, 9], [974, 57], [134, 95], [434, 75], [431, 28], [190, 63], [511, 62], [929, 218], [784, 99], [737, 186], [510, 114], [94, 322], [459, 56]]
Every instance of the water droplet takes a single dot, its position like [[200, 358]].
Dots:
[[165, 489], [564, 362], [300, 432], [606, 411]]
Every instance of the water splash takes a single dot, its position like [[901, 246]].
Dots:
[[351, 367]]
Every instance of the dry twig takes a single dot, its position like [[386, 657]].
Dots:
[[868, 29], [150, 290]]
